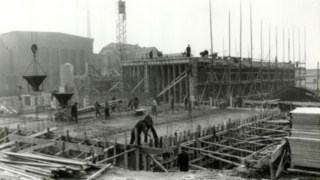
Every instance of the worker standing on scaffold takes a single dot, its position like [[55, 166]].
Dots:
[[188, 50]]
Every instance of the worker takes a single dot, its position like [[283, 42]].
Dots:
[[290, 120], [135, 102], [97, 108], [154, 106], [106, 110], [143, 126], [204, 53], [188, 50], [186, 102], [150, 54], [74, 112], [240, 101], [172, 103], [183, 160]]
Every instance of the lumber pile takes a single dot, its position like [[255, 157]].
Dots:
[[36, 166], [305, 120], [305, 152]]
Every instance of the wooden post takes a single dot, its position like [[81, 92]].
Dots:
[[115, 149], [18, 129], [68, 138], [125, 148], [48, 132], [6, 133], [137, 151], [144, 161], [272, 173]]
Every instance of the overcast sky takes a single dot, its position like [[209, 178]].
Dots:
[[170, 25]]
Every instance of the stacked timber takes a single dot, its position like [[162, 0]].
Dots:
[[306, 119], [305, 152], [41, 166]]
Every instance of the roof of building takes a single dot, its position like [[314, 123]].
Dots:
[[306, 110]]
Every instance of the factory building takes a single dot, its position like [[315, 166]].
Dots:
[[54, 49]]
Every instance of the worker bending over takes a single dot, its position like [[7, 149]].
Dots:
[[143, 126]]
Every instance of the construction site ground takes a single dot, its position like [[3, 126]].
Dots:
[[121, 174], [166, 123]]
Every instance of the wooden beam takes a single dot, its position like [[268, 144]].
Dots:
[[259, 151], [228, 147], [244, 141], [98, 173], [197, 167], [24, 174], [278, 151], [40, 133], [120, 154], [57, 160], [113, 87], [158, 164], [37, 147], [104, 151], [61, 144], [6, 136], [303, 172], [213, 152], [266, 129], [32, 163], [221, 159], [139, 83], [151, 150], [281, 165]]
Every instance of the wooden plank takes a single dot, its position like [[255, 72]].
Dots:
[[214, 152], [120, 154], [266, 129], [40, 133], [278, 151], [104, 151], [32, 163], [61, 144], [197, 167], [57, 160], [305, 152], [152, 150], [313, 173], [158, 164], [27, 175], [6, 136], [228, 147], [221, 159], [37, 147], [98, 173], [125, 155], [259, 151], [281, 165]]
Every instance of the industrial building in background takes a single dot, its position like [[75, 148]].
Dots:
[[55, 49]]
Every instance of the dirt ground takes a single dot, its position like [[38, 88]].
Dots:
[[166, 123], [121, 174]]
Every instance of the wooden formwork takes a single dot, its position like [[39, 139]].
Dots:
[[241, 142]]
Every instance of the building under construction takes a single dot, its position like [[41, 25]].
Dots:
[[204, 79]]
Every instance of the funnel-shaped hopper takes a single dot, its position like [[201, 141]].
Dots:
[[35, 81], [63, 98]]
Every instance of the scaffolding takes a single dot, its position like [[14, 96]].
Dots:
[[226, 79]]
